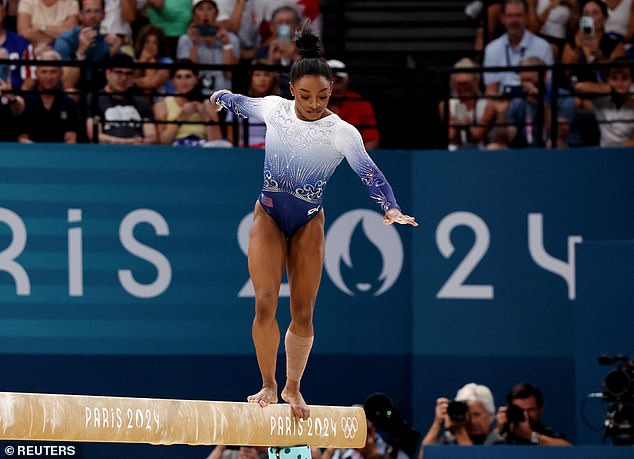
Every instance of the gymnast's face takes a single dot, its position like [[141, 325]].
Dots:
[[311, 94]]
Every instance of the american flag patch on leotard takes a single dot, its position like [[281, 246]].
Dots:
[[267, 201]]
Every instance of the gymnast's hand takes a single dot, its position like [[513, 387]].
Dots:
[[213, 100], [395, 216]]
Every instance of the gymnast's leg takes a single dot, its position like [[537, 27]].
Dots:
[[304, 266], [267, 259]]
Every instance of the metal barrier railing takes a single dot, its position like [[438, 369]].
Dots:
[[556, 77], [392, 90]]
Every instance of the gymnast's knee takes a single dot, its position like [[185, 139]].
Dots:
[[302, 315], [265, 307]]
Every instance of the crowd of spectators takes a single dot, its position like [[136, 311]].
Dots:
[[515, 108], [230, 38], [145, 68]]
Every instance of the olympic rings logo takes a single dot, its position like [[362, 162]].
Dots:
[[349, 427]]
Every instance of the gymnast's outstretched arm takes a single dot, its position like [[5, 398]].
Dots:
[[349, 142]]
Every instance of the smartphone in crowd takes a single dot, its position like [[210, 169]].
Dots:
[[207, 30], [284, 33], [586, 24]]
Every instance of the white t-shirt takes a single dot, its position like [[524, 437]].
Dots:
[[113, 22], [615, 124]]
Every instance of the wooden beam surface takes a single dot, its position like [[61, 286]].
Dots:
[[80, 418]]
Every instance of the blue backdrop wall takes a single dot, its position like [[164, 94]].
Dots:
[[123, 272]]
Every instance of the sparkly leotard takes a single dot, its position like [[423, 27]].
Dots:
[[300, 156]]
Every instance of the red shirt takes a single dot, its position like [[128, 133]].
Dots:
[[357, 112]]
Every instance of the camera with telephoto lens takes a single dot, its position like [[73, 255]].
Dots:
[[618, 391], [514, 414], [457, 411], [394, 430]]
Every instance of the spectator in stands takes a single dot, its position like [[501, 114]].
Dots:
[[510, 48], [151, 47], [120, 117], [590, 45], [523, 117], [186, 105], [243, 18], [527, 429], [470, 115], [172, 17], [507, 51], [376, 447], [620, 19], [551, 20], [119, 15], [207, 43], [11, 104], [613, 105], [593, 44], [281, 49], [465, 425], [351, 107], [42, 21], [262, 82], [49, 114], [487, 14], [16, 46], [84, 43], [373, 449]]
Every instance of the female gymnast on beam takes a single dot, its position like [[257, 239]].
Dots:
[[305, 142]]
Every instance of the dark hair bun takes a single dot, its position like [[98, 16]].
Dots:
[[307, 42]]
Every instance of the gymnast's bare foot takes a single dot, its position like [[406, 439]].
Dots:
[[298, 405], [266, 396]]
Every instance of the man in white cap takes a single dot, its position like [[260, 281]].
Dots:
[[351, 107]]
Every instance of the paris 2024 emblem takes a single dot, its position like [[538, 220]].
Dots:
[[364, 231]]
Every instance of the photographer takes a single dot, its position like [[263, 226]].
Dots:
[[464, 421], [520, 421]]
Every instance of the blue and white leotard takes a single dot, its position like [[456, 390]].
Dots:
[[300, 156]]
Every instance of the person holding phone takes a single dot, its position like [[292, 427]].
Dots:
[[281, 50], [591, 43], [84, 43], [206, 42]]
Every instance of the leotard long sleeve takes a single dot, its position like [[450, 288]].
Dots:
[[300, 156]]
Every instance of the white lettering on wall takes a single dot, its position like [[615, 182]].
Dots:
[[162, 264], [546, 261], [455, 286], [15, 248], [75, 255]]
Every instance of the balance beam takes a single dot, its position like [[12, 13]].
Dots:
[[79, 418]]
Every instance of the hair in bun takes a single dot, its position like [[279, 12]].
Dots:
[[310, 62]]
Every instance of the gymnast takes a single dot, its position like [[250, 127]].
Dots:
[[305, 142]]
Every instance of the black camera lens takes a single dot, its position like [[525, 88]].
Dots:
[[514, 414], [617, 383], [457, 411]]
